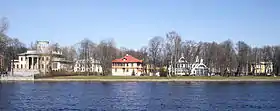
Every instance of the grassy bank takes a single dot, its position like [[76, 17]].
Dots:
[[153, 77], [147, 78]]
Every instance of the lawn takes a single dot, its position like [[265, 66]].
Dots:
[[153, 77]]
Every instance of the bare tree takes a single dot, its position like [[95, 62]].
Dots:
[[4, 24], [106, 53], [276, 60], [173, 47], [155, 48], [52, 48], [86, 47], [227, 57], [243, 51]]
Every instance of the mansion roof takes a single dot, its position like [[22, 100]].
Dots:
[[127, 59], [34, 52]]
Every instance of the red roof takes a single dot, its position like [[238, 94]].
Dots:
[[127, 58]]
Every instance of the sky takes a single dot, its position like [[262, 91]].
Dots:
[[132, 23]]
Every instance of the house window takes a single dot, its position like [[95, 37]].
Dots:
[[54, 65], [116, 70], [123, 69], [21, 59], [43, 66], [126, 70], [21, 66], [17, 66], [42, 58], [47, 58]]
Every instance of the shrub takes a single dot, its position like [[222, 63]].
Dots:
[[162, 72]]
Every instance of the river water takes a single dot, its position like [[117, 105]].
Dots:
[[143, 96]]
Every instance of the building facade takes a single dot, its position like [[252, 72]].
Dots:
[[40, 60], [183, 68], [127, 66], [199, 68], [262, 68], [92, 65], [150, 70]]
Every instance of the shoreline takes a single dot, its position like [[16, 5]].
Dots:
[[148, 80]]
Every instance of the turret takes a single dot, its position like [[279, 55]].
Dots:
[[196, 59], [201, 61]]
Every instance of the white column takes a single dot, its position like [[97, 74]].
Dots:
[[26, 62], [32, 62], [38, 65]]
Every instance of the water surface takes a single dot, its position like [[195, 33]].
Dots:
[[152, 96]]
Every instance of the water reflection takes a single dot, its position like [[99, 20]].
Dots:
[[154, 96]]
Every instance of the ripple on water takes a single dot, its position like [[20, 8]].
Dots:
[[153, 96]]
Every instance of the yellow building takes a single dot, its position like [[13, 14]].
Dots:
[[127, 66], [148, 69], [262, 68]]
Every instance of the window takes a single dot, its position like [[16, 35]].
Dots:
[[42, 58], [47, 58], [43, 66], [21, 66], [54, 65], [116, 70], [17, 66], [126, 70], [21, 59]]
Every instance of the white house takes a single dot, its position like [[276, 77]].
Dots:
[[91, 66], [199, 68], [38, 61], [182, 67], [127, 66]]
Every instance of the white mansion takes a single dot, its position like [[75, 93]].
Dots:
[[92, 65], [182, 67], [38, 61]]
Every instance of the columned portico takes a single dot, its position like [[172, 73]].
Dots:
[[37, 61]]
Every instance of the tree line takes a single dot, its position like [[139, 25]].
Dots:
[[9, 47], [225, 58]]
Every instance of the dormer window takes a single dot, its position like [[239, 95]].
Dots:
[[124, 59]]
